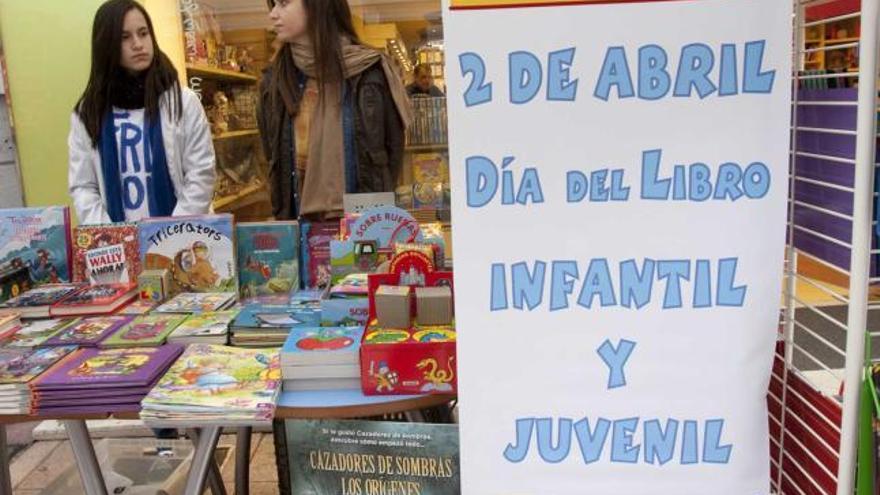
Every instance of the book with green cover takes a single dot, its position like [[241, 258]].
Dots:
[[205, 328], [213, 384], [144, 331]]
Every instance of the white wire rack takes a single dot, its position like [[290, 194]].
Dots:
[[815, 386]]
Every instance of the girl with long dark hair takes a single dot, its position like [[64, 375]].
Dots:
[[140, 145], [333, 112]]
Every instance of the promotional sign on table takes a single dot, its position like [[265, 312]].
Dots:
[[363, 457], [619, 188]]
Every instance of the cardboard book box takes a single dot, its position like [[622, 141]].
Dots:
[[420, 359]]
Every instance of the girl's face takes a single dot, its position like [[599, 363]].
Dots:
[[137, 43], [289, 20]]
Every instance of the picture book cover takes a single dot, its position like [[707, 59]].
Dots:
[[34, 333], [210, 324], [44, 295], [315, 252], [89, 331], [272, 316], [352, 285], [138, 307], [38, 238], [97, 295], [194, 302], [106, 254], [220, 378], [22, 365], [322, 345], [268, 258], [111, 367], [14, 281], [144, 331], [199, 251]]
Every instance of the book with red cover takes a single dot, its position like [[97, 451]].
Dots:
[[36, 302], [89, 332], [95, 300], [106, 254]]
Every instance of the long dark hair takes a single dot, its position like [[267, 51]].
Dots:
[[328, 22], [95, 103]]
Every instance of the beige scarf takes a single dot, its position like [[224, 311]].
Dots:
[[324, 182]]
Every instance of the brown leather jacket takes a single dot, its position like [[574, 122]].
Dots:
[[379, 140]]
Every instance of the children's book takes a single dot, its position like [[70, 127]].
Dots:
[[33, 333], [144, 331], [38, 238], [198, 251], [110, 368], [273, 316], [9, 320], [208, 382], [36, 302], [268, 258], [89, 332], [14, 281], [209, 328], [95, 300], [19, 366], [316, 384], [106, 254], [319, 346], [315, 253], [192, 302], [138, 307], [352, 285]]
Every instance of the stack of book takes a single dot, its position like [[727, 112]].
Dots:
[[18, 368], [89, 332], [268, 325], [9, 320], [216, 385], [36, 302], [321, 358], [34, 333], [102, 380], [144, 331], [195, 302], [99, 299], [204, 328]]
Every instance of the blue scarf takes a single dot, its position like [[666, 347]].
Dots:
[[160, 189]]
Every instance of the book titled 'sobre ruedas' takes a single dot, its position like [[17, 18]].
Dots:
[[38, 238], [199, 251]]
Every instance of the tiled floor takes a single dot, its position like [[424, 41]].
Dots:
[[37, 467]]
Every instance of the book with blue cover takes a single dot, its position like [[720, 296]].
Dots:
[[37, 238], [268, 258], [319, 346], [198, 251], [260, 316]]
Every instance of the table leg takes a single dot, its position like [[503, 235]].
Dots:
[[243, 460], [415, 416], [214, 476], [202, 462], [5, 477], [86, 462]]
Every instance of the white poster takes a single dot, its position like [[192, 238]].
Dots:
[[619, 179]]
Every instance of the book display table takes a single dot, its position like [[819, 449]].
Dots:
[[335, 404]]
